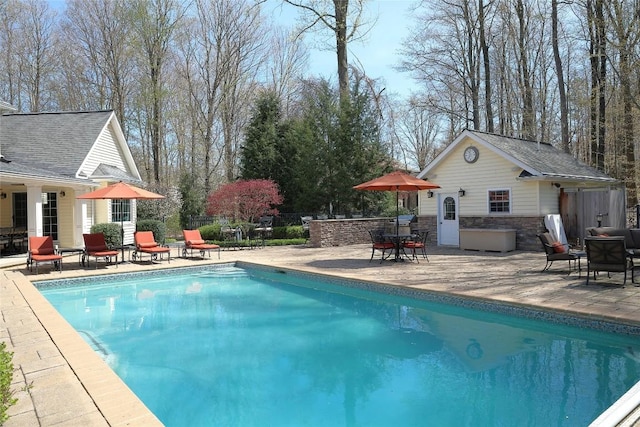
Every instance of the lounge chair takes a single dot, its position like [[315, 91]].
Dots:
[[608, 254], [556, 251], [96, 246], [194, 241], [41, 250], [146, 244]]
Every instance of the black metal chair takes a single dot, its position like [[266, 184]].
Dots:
[[418, 244], [555, 251], [265, 228], [608, 254], [379, 243]]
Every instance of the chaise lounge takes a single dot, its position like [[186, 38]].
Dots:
[[41, 250], [146, 244], [96, 246], [194, 241]]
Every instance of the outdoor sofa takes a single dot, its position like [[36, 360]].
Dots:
[[631, 236]]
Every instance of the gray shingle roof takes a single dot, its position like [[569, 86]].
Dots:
[[52, 143], [542, 159]]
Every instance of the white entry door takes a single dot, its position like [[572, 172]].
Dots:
[[448, 233]]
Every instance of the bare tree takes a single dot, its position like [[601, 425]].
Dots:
[[625, 26], [343, 23], [285, 65], [28, 42], [419, 130], [155, 24], [101, 31]]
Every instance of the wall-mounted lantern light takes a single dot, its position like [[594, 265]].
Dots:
[[3, 195], [461, 192], [429, 194], [599, 219]]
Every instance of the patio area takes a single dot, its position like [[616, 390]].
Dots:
[[60, 380]]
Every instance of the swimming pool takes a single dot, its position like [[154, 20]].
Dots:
[[229, 346]]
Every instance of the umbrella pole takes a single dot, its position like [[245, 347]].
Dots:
[[397, 226], [122, 229]]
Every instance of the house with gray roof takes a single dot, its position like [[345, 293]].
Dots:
[[48, 159], [494, 182]]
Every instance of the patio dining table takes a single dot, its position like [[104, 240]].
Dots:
[[398, 240]]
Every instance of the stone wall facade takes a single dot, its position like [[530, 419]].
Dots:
[[343, 232]]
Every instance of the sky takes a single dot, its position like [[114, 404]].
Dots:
[[377, 54]]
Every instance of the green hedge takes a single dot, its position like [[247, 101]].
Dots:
[[112, 233], [158, 228], [211, 232], [288, 232]]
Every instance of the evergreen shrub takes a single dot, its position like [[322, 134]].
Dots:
[[112, 233], [211, 232]]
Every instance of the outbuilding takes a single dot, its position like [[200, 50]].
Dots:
[[490, 182]]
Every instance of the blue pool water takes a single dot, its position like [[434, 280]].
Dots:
[[256, 347]]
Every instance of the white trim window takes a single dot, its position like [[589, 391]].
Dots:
[[120, 210], [499, 201]]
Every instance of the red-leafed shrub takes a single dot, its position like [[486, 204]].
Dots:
[[245, 200]]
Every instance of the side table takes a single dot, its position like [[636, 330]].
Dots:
[[79, 251]]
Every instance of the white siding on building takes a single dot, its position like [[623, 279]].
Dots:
[[105, 150], [490, 171]]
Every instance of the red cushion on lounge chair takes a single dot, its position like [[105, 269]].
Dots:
[[103, 253], [42, 251], [49, 257], [195, 242], [155, 249], [558, 247], [147, 244]]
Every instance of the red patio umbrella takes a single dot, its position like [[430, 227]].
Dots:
[[121, 191], [396, 181]]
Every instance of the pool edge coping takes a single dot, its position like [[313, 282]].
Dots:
[[115, 401]]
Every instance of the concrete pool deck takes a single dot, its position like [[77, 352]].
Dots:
[[60, 380]]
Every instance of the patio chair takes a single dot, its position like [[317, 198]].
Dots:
[[379, 243], [193, 240], [419, 244], [306, 223], [96, 246], [556, 251], [265, 228], [146, 244], [608, 254], [41, 250]]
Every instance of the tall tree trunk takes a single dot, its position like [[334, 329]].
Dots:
[[528, 114], [473, 67], [488, 101], [341, 9], [598, 60], [562, 90]]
